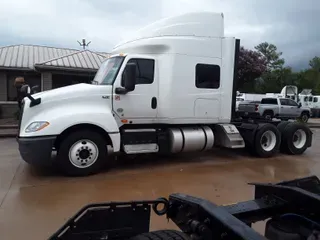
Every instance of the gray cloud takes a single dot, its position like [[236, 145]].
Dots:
[[290, 24]]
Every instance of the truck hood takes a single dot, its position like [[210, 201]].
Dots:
[[73, 91]]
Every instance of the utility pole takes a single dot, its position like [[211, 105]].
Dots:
[[84, 44]]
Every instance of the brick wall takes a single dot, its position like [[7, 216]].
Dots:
[[3, 86], [46, 80]]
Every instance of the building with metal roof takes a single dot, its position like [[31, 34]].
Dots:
[[45, 67]]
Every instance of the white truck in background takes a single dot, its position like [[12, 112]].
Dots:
[[169, 89]]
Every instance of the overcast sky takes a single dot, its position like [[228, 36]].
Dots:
[[293, 25]]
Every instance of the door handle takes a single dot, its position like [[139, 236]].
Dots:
[[154, 103]]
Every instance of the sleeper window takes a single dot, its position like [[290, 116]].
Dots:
[[207, 76]]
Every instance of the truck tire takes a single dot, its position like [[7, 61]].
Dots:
[[281, 127], [268, 114], [276, 230], [304, 117], [295, 138], [162, 235], [82, 153], [267, 141]]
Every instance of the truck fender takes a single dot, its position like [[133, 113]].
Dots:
[[59, 123]]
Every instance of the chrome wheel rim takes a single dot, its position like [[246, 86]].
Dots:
[[83, 153], [268, 141], [299, 139]]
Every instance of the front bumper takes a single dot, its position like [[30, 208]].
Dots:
[[36, 151]]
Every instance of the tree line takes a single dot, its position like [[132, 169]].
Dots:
[[263, 70]]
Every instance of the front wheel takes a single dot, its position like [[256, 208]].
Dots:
[[304, 117], [82, 153], [267, 141]]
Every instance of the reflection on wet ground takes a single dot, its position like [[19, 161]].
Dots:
[[35, 203]]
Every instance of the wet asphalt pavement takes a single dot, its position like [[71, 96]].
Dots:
[[35, 203]]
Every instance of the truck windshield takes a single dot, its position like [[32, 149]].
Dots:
[[108, 71]]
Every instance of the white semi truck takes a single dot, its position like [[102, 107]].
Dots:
[[169, 89]]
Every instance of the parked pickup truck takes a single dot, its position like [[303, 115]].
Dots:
[[282, 108]]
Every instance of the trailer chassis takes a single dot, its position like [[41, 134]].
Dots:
[[293, 205]]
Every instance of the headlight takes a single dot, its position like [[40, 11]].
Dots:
[[36, 126]]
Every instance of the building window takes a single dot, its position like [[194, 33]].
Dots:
[[62, 80], [144, 71], [31, 79], [207, 76]]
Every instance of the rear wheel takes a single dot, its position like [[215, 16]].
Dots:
[[268, 115], [82, 153], [267, 141], [162, 235], [296, 138]]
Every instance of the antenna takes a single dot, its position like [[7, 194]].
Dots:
[[84, 44]]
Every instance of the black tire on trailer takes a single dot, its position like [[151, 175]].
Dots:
[[276, 230], [267, 141], [268, 114], [162, 235], [304, 117], [296, 138], [82, 153]]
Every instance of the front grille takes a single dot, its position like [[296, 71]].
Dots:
[[20, 116]]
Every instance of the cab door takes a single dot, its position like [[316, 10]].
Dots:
[[285, 109], [294, 108], [139, 105]]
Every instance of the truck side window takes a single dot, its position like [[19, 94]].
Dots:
[[272, 101], [144, 70], [293, 103], [284, 102], [315, 99], [207, 76]]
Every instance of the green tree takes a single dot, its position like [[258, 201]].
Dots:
[[275, 80], [273, 57], [310, 78], [251, 65], [314, 63]]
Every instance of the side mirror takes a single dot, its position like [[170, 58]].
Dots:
[[129, 77], [299, 105], [35, 89], [24, 90]]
